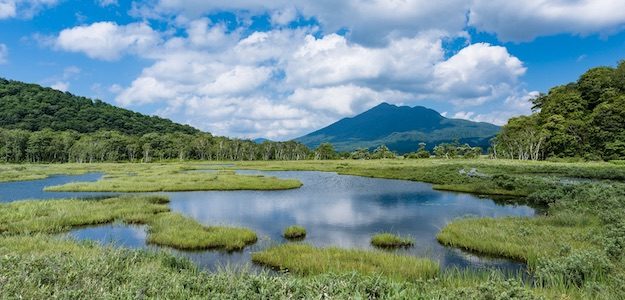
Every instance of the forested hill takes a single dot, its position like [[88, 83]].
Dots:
[[584, 119], [401, 129], [32, 107]]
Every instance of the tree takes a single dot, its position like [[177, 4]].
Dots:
[[325, 151], [382, 152]]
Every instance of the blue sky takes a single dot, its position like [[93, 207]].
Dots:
[[281, 69]]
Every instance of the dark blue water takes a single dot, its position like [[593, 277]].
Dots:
[[337, 210], [33, 189]]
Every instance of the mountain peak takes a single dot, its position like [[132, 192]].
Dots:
[[401, 128]]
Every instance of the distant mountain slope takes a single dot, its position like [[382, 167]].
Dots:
[[33, 107], [401, 128]]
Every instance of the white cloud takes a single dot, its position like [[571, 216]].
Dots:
[[377, 22], [369, 22], [4, 54], [478, 73], [286, 82], [23, 8], [62, 86], [107, 40], [105, 3], [8, 9], [515, 104], [525, 20]]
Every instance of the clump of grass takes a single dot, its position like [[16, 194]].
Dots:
[[294, 232], [304, 259], [175, 181], [177, 231], [389, 240]]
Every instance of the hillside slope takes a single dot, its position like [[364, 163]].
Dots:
[[33, 107], [401, 128]]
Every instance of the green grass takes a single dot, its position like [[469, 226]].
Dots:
[[303, 259], [388, 240], [521, 239], [54, 216], [176, 181], [164, 228], [177, 231], [294, 232], [38, 267]]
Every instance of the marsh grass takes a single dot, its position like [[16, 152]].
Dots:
[[38, 267], [164, 228], [180, 232], [176, 181], [522, 239], [303, 259], [294, 232], [54, 216], [389, 241]]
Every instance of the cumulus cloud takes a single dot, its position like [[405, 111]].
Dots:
[[525, 20], [4, 54], [518, 103], [380, 21], [478, 73], [369, 22], [23, 8], [286, 82], [107, 40]]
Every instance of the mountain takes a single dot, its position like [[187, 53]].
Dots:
[[401, 128], [33, 107]]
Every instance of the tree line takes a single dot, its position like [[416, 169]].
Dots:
[[18, 145], [583, 119]]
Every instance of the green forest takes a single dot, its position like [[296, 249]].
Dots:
[[40, 124], [583, 119]]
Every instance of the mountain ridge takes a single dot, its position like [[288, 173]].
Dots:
[[401, 128]]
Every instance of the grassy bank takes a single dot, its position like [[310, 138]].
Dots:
[[178, 182], [43, 268], [579, 244], [303, 259], [164, 228], [494, 177]]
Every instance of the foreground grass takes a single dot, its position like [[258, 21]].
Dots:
[[164, 228], [37, 267], [388, 240], [303, 259], [294, 232]]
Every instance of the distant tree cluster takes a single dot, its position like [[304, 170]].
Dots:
[[584, 119], [18, 145]]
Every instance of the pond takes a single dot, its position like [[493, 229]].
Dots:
[[337, 210]]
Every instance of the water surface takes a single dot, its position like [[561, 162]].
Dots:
[[337, 210]]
